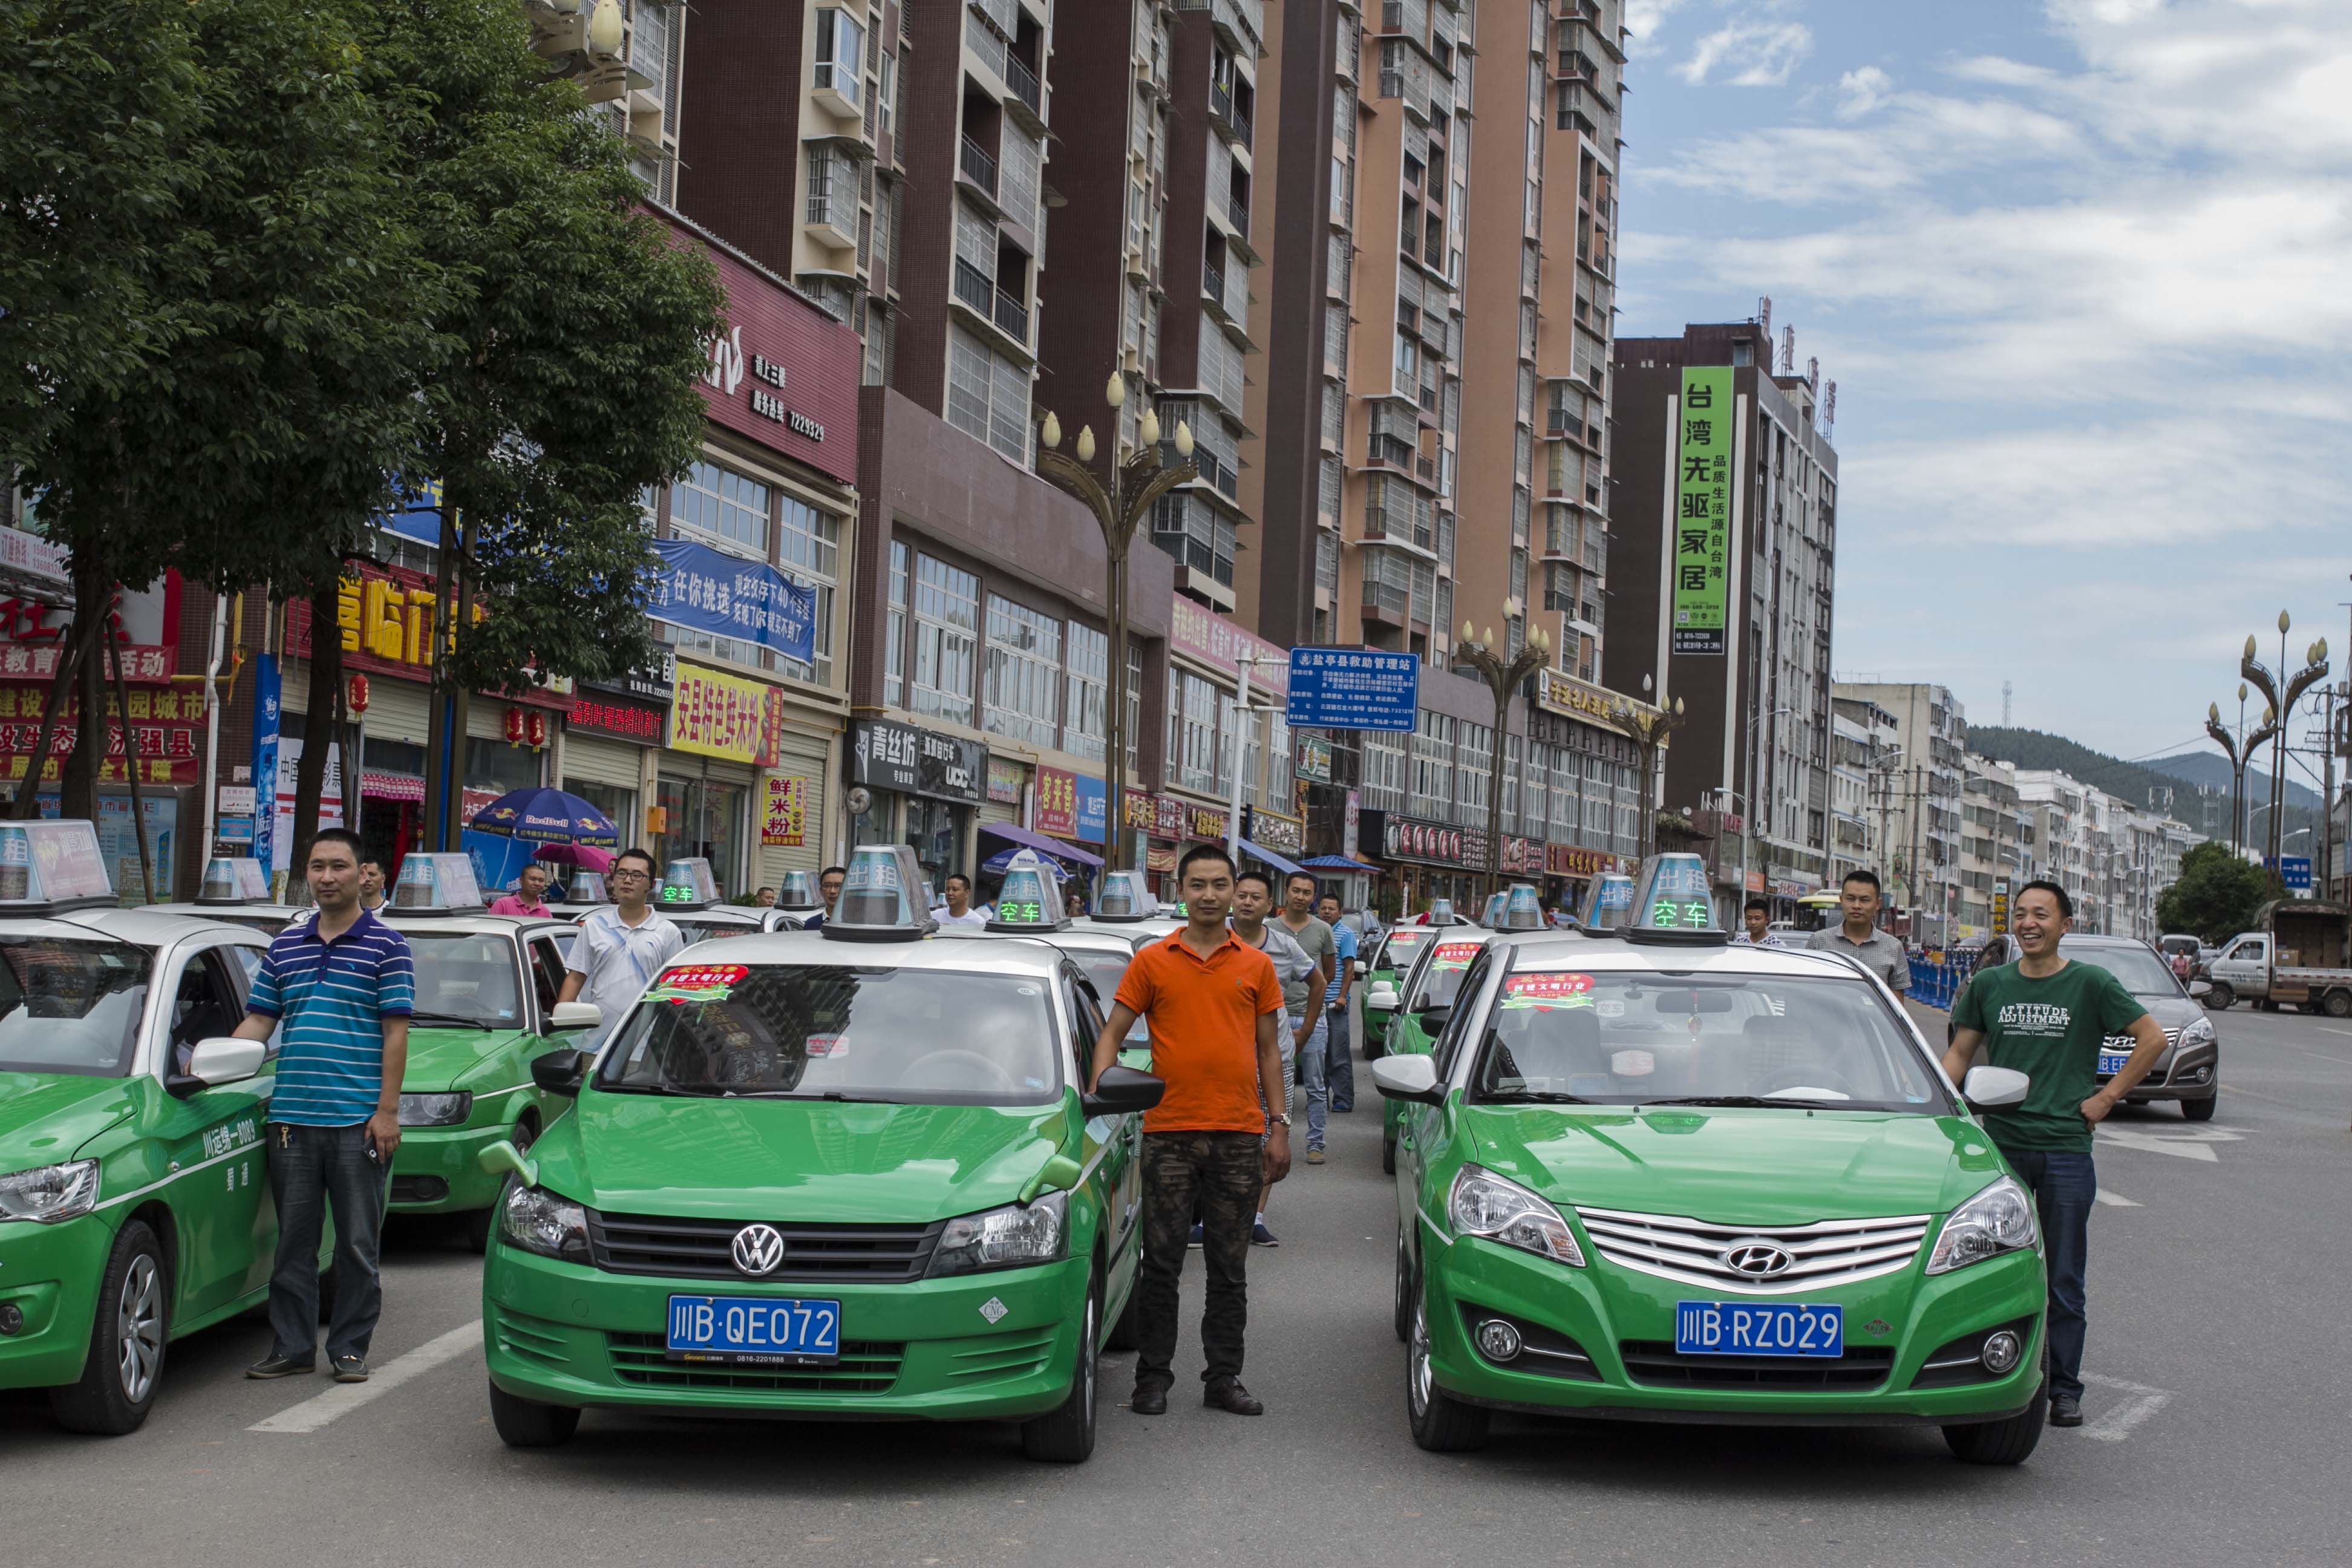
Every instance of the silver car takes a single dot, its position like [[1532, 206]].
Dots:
[[2189, 1071]]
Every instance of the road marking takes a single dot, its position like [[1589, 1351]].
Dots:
[[2116, 1424], [2116, 1200], [2331, 1029], [2186, 1145], [345, 1397], [2324, 1057], [2272, 1098]]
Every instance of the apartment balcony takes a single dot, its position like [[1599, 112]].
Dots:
[[977, 166], [989, 305], [1228, 117], [1027, 93]]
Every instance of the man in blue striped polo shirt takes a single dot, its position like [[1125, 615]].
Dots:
[[341, 987]]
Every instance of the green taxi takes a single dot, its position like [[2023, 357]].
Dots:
[[1416, 1012], [848, 1173], [134, 1194], [1656, 1176], [1389, 964]]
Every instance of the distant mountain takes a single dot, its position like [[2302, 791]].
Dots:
[[2138, 783], [2212, 769]]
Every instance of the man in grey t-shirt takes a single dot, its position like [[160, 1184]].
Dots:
[[1299, 922], [1859, 938], [1302, 981]]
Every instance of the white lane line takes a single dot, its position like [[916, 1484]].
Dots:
[[345, 1397], [2324, 1057], [2272, 1098], [2116, 1424], [2116, 1200], [2331, 1029]]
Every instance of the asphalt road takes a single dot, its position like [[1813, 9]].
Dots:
[[2220, 1430]]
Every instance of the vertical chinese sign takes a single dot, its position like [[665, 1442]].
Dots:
[[1701, 522], [786, 822]]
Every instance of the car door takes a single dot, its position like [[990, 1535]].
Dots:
[[1118, 1140], [2244, 964], [1420, 1141], [227, 1225]]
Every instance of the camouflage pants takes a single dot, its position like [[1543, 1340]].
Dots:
[[1218, 1174]]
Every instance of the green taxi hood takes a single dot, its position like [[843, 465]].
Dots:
[[439, 1057], [1707, 1164], [811, 1161], [47, 1117]]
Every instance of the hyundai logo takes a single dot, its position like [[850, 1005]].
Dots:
[[1753, 1257], [758, 1249]]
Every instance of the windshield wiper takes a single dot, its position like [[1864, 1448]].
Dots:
[[833, 1095], [1536, 1097], [1753, 1101], [458, 1019]]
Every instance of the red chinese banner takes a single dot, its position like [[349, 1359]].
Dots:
[[168, 726], [146, 636], [784, 825]]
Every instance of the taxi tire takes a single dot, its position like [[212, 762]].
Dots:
[[1404, 1290], [96, 1404], [1441, 1424], [1066, 1434], [2199, 1109], [1387, 1155], [2002, 1442], [527, 1423]]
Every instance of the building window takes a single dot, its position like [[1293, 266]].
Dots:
[[808, 549], [840, 54], [1432, 766], [1085, 702], [894, 638], [1198, 767], [730, 507], [947, 626], [1025, 661]]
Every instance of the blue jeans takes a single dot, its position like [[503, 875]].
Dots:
[[1312, 1079], [311, 1169], [1337, 1071], [2065, 1186]]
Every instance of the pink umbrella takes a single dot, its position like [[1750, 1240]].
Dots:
[[581, 855]]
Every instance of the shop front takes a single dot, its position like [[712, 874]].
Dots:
[[916, 786], [723, 736], [1569, 870], [613, 738], [1428, 860]]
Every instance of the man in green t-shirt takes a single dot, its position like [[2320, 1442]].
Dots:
[[2047, 1017]]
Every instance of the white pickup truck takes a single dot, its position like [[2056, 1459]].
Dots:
[[2302, 957]]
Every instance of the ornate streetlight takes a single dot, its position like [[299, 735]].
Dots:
[[1649, 727], [2239, 747], [1120, 498], [2314, 670], [1502, 675]]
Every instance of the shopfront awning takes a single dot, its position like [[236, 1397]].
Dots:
[[1056, 847], [1280, 863], [1340, 863]]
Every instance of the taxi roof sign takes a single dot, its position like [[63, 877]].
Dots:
[[436, 884], [797, 891], [687, 883], [1521, 911], [1441, 913], [54, 863], [585, 887], [1609, 907], [234, 880], [1675, 906], [1125, 896], [1030, 898], [884, 898], [1491, 916]]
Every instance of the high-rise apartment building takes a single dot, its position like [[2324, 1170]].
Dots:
[[1919, 791], [1995, 843], [1757, 710]]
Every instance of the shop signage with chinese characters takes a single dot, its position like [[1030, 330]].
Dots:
[[1207, 823], [1199, 633], [1431, 843], [1701, 525], [886, 754], [1564, 693], [1522, 857], [785, 824], [1353, 689], [655, 683], [782, 372], [1169, 816], [719, 715], [1007, 780], [709, 590], [387, 616], [1057, 803], [32, 635], [639, 723], [168, 726], [1567, 861], [1314, 760], [1285, 836]]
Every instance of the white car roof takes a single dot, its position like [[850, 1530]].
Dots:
[[147, 927], [1003, 955], [468, 924], [1567, 950]]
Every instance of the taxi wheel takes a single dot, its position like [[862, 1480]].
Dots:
[[2002, 1442], [125, 1365], [1387, 1155], [1441, 1424], [527, 1423], [2199, 1109], [1066, 1434]]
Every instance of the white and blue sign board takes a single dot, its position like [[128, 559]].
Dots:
[[1353, 689], [2295, 870], [707, 590]]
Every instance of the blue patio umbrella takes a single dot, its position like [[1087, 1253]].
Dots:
[[995, 864], [544, 816]]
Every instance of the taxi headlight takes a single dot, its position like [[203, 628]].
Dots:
[[1998, 1220], [49, 1192], [1482, 1203], [1014, 1237], [435, 1110], [2199, 1033], [540, 1221]]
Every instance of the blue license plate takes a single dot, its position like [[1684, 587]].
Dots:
[[2112, 1062], [754, 1331], [1758, 1328]]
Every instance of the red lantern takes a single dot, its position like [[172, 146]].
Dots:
[[356, 699], [537, 729], [514, 726]]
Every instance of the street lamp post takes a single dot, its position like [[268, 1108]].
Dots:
[[2284, 693], [1119, 501], [1502, 675], [1649, 727]]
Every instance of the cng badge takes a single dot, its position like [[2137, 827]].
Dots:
[[994, 1310]]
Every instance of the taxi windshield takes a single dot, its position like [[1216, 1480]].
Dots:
[[1558, 1036], [465, 978], [71, 1006], [2141, 971], [1440, 980], [826, 1032], [1400, 948], [695, 930]]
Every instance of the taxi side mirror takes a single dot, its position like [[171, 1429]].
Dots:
[[1361, 970], [1994, 1089], [561, 1072], [2200, 989], [1059, 1174], [502, 1158], [567, 1016], [1412, 1078], [1122, 1091], [222, 1059], [1381, 997]]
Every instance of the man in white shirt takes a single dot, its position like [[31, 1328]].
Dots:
[[958, 910], [620, 950]]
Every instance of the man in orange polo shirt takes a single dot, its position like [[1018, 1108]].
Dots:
[[1215, 1011]]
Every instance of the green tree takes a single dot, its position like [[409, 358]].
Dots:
[[2217, 895]]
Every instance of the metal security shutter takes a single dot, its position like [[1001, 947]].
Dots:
[[612, 762], [397, 710], [991, 811], [803, 756]]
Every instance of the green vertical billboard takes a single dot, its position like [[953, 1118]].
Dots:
[[1701, 519]]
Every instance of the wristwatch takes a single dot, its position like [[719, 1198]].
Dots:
[[1281, 1121]]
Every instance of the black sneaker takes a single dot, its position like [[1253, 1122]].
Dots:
[[1198, 1235], [2065, 1410], [1261, 1237], [350, 1368], [280, 1366]]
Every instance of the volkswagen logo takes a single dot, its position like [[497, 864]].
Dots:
[[1752, 1257], [758, 1249]]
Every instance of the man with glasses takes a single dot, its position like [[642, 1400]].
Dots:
[[620, 947]]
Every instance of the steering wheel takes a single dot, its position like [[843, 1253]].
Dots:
[[1810, 1078], [998, 1079]]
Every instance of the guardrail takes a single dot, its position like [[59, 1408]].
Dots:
[[1937, 977]]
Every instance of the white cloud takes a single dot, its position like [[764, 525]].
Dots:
[[1862, 90], [1642, 20], [1758, 53]]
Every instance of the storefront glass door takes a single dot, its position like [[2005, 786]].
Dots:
[[705, 817]]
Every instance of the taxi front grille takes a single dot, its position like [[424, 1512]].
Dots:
[[1829, 1253], [680, 1249], [866, 1366], [1657, 1363]]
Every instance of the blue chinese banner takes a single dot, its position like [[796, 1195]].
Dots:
[[1094, 807], [706, 590], [415, 514], [266, 694], [1353, 689]]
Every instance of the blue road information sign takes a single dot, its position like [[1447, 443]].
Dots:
[[1353, 689], [2295, 870]]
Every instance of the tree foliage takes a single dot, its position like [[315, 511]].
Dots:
[[2217, 896]]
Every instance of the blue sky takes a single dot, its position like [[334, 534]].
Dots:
[[2082, 270]]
